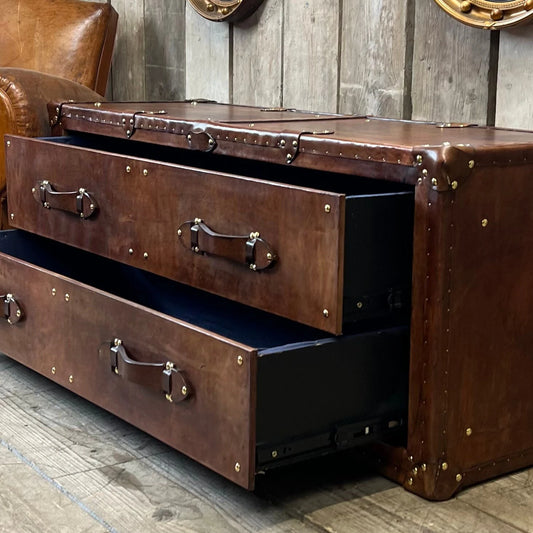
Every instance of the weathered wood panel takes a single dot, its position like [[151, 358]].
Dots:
[[375, 44], [129, 67], [257, 62], [208, 46], [514, 101], [164, 29], [311, 54], [450, 68]]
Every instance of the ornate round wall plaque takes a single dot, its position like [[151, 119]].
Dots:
[[488, 14], [229, 10]]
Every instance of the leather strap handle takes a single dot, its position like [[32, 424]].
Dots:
[[11, 309], [78, 202], [250, 249], [161, 377]]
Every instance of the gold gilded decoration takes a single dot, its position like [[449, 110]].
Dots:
[[488, 14], [225, 10]]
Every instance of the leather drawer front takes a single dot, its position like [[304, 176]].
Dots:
[[63, 327], [246, 408], [142, 203]]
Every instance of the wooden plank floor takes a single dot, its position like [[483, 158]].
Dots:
[[66, 465]]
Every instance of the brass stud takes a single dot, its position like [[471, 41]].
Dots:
[[53, 370], [224, 10], [295, 144], [128, 169], [458, 478], [496, 14], [359, 305], [289, 157], [169, 397], [419, 159], [12, 216], [468, 432], [54, 291], [116, 370], [434, 182], [145, 172], [130, 251], [184, 390], [471, 164], [237, 467], [424, 467], [466, 7], [33, 189], [70, 379], [196, 249], [327, 208], [410, 481], [454, 185], [179, 233], [210, 7], [145, 255], [18, 313], [128, 132], [424, 171], [240, 360], [253, 266], [8, 143], [485, 222], [269, 256], [282, 143], [98, 104], [444, 466], [528, 5], [123, 121], [117, 342], [197, 220], [67, 297], [91, 207], [415, 471], [325, 313], [419, 181], [211, 142], [274, 454]]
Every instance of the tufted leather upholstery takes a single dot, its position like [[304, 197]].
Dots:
[[50, 50]]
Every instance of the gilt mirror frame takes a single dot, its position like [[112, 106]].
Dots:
[[488, 14], [225, 10]]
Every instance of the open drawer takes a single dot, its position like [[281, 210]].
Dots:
[[235, 388], [322, 249]]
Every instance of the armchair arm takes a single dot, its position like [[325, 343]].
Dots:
[[24, 95]]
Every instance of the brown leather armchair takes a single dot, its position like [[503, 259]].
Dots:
[[50, 50]]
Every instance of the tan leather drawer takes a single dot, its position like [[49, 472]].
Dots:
[[266, 241], [232, 397]]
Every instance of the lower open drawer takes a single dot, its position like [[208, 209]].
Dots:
[[234, 388]]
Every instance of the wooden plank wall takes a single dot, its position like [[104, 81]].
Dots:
[[396, 58]]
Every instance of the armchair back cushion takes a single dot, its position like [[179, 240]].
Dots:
[[69, 39]]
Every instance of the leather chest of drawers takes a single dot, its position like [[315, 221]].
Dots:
[[257, 286]]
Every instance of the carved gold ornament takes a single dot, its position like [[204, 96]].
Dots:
[[228, 10], [488, 14]]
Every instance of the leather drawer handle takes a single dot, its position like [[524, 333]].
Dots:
[[161, 377], [12, 310], [250, 249], [78, 202]]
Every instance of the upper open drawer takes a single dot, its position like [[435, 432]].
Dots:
[[314, 247]]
